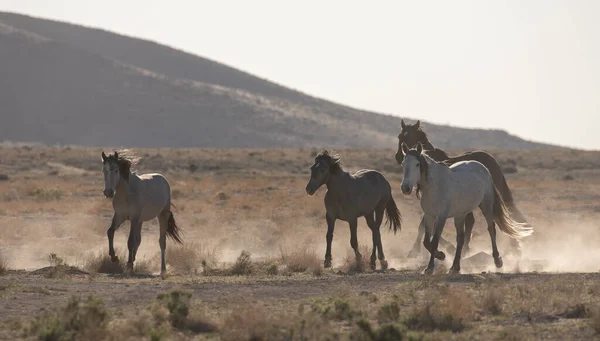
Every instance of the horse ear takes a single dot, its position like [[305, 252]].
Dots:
[[402, 124], [418, 124], [104, 157], [419, 148], [404, 148]]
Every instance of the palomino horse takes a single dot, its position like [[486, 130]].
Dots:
[[413, 134], [137, 198], [365, 193], [454, 192]]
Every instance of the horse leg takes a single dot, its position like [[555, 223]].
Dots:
[[354, 240], [117, 221], [330, 227], [427, 242], [416, 249], [132, 241], [488, 213], [469, 223], [162, 239], [459, 224], [371, 223], [435, 241], [378, 220]]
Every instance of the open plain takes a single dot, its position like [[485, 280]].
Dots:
[[251, 266]]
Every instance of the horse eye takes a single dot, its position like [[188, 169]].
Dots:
[[418, 165]]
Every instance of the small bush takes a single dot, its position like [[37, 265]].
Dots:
[[594, 319], [243, 264], [177, 303], [272, 270], [339, 309], [187, 258], [47, 194], [387, 332], [389, 313], [85, 320]]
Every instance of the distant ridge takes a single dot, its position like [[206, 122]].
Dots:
[[69, 84]]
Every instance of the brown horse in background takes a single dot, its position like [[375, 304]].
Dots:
[[411, 135]]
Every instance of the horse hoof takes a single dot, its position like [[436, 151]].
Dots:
[[428, 271], [163, 275], [498, 262], [129, 266], [114, 259], [454, 271], [373, 266], [384, 264], [327, 264], [440, 255]]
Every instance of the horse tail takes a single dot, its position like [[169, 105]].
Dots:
[[393, 217], [173, 230], [497, 176], [505, 222]]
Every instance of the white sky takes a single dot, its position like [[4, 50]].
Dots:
[[530, 67]]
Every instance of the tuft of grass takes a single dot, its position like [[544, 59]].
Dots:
[[187, 258], [388, 313], [78, 320], [493, 300], [272, 270], [338, 309], [101, 263], [47, 194], [243, 264], [300, 260], [386, 332], [3, 264], [450, 312]]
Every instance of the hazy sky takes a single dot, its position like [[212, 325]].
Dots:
[[530, 67]]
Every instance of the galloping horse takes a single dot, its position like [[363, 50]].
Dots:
[[454, 192], [413, 134], [365, 193], [137, 198]]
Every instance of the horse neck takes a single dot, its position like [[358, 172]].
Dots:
[[426, 144], [336, 180], [123, 186]]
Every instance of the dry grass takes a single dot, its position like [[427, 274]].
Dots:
[[262, 207], [192, 258], [101, 263], [300, 260], [3, 264]]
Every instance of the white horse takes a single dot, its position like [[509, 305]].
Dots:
[[137, 198], [454, 192]]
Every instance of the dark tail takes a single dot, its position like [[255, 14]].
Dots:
[[505, 222], [497, 176], [173, 229], [393, 216]]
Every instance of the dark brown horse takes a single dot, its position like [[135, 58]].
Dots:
[[413, 134]]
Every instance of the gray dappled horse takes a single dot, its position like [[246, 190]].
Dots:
[[454, 192], [365, 193], [137, 198]]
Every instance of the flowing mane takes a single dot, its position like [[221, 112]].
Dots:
[[332, 159]]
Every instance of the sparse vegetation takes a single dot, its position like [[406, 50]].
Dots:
[[243, 264], [300, 260], [78, 320], [47, 194]]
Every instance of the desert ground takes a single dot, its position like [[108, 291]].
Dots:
[[251, 265]]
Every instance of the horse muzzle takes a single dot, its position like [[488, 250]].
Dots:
[[109, 193], [406, 189]]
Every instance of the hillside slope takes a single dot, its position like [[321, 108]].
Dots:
[[69, 84]]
